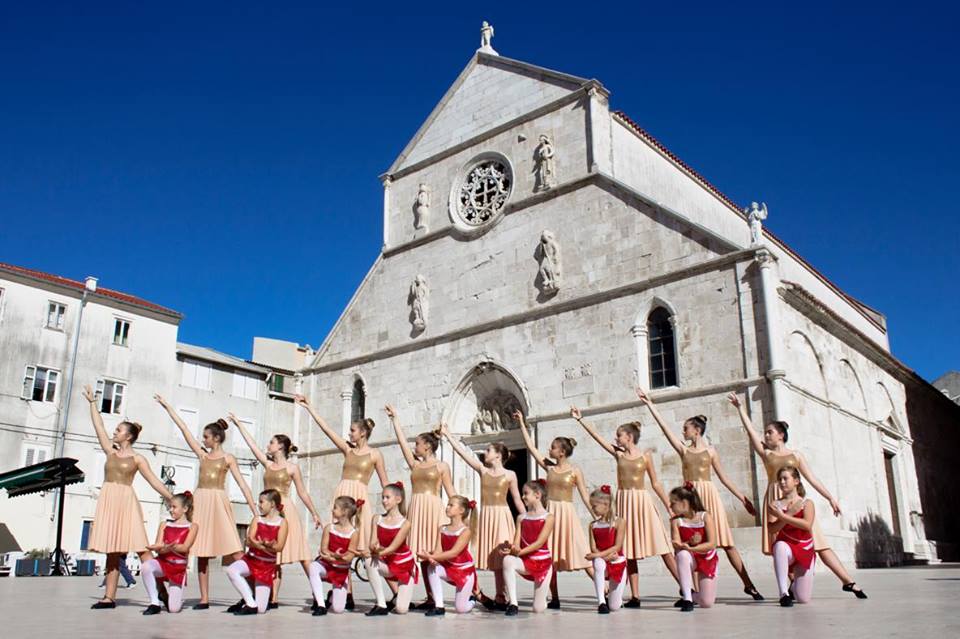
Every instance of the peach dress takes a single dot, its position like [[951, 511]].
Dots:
[[118, 521], [773, 463], [568, 542], [425, 509], [644, 534], [354, 481], [496, 524], [295, 550], [213, 513], [696, 470]]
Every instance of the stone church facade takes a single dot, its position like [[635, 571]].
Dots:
[[541, 250]]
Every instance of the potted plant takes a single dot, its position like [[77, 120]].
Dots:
[[35, 563]]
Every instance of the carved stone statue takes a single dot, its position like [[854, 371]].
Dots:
[[418, 302], [545, 175], [756, 214], [548, 252], [486, 35], [421, 209], [494, 414]]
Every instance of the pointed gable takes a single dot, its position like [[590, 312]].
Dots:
[[490, 91]]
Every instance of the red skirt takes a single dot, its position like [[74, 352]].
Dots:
[[336, 573], [174, 569], [706, 563], [804, 553], [537, 569], [263, 571], [458, 575], [615, 570], [405, 572]]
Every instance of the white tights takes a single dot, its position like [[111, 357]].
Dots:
[[707, 593], [615, 598], [462, 601], [802, 578], [513, 566], [238, 572], [317, 572], [377, 571], [150, 570]]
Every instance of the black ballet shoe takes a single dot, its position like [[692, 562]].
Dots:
[[152, 610], [350, 605], [319, 611], [247, 610], [163, 596], [852, 587], [487, 602], [273, 605], [201, 606], [426, 604], [511, 611], [314, 605], [235, 607], [436, 612], [329, 598], [392, 604], [104, 605], [603, 609], [678, 602], [753, 592], [554, 604], [786, 601], [633, 602], [500, 606], [376, 611], [686, 606]]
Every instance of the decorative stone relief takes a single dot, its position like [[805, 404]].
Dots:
[[544, 168], [421, 209], [418, 302], [493, 414], [483, 192], [548, 254], [756, 214]]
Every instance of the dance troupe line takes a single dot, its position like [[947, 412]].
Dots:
[[424, 539]]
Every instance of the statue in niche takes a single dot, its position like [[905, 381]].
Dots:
[[544, 169], [486, 35], [418, 302], [421, 209], [756, 214], [548, 253], [494, 414]]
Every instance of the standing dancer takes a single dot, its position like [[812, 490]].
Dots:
[[427, 475], [337, 549], [278, 474], [697, 459], [390, 556], [451, 560], [695, 540], [174, 539], [606, 551], [212, 509], [496, 529], [644, 534], [774, 454], [118, 521], [791, 522], [568, 543], [528, 555], [266, 537]]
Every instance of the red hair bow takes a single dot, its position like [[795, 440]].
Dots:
[[361, 502], [688, 485], [280, 508], [542, 482], [397, 484], [188, 494], [605, 489], [472, 504]]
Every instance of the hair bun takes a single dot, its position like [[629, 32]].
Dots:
[[573, 442], [702, 418], [136, 427], [224, 424], [294, 449], [369, 422]]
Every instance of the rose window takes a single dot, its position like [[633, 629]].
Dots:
[[483, 192]]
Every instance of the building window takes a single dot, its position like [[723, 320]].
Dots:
[[276, 383], [358, 402], [40, 384], [121, 332], [110, 395], [246, 385], [85, 534], [483, 191], [663, 355], [35, 454], [55, 314], [196, 374]]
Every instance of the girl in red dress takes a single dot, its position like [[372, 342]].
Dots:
[[529, 554], [339, 546], [791, 520], [695, 543], [451, 560], [390, 556], [265, 539], [174, 539], [606, 551]]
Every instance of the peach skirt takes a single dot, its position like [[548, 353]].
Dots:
[[644, 534], [217, 529], [773, 494], [424, 514], [568, 543], [358, 490], [295, 550], [496, 526], [710, 497], [118, 522]]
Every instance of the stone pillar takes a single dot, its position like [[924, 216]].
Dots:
[[387, 181], [771, 312], [346, 406], [641, 346]]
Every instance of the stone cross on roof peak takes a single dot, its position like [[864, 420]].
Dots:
[[486, 35]]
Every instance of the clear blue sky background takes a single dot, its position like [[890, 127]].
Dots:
[[223, 160]]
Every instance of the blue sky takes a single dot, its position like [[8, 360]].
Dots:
[[223, 160]]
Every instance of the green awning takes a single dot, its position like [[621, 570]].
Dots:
[[40, 477]]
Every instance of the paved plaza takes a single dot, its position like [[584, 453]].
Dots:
[[903, 602]]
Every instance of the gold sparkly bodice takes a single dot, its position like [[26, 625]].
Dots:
[[696, 465], [279, 480], [213, 473], [494, 489], [773, 464], [560, 484], [358, 467], [120, 470], [426, 479], [631, 473]]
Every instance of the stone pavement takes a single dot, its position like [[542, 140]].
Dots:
[[902, 602]]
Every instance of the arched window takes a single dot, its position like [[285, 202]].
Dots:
[[358, 402], [662, 349]]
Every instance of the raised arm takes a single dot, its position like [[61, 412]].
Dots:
[[578, 416], [461, 450], [817, 486], [155, 483], [337, 440], [755, 439], [184, 429], [647, 401], [725, 480], [515, 494], [305, 496], [582, 488], [105, 442], [251, 444], [401, 436], [446, 479], [241, 482], [528, 441], [655, 482]]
